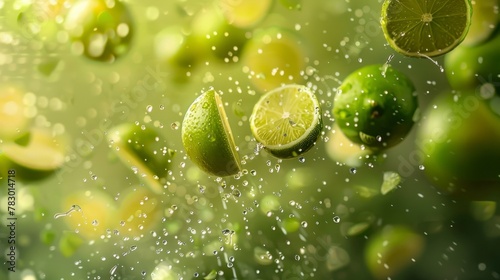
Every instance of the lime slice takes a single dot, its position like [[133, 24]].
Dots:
[[38, 151], [245, 13], [144, 150], [287, 121], [207, 137], [12, 113], [425, 28], [485, 18], [273, 57]]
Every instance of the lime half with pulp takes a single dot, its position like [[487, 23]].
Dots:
[[287, 120], [425, 28], [207, 137]]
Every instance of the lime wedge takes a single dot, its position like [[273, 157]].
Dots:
[[245, 13], [425, 28], [287, 121], [207, 137], [273, 57], [343, 150], [139, 210], [144, 150]]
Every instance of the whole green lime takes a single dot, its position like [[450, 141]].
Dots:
[[375, 106]]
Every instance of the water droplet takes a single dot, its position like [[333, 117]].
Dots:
[[336, 219], [303, 224], [72, 209], [149, 108], [353, 170], [302, 159]]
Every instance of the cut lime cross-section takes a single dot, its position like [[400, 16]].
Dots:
[[207, 137], [287, 120], [422, 28]]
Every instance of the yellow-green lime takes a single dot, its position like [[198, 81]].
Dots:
[[425, 28], [287, 120], [245, 13], [273, 57], [207, 136], [144, 150], [139, 211]]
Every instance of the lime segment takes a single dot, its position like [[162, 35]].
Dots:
[[287, 120], [245, 13], [425, 28], [207, 137]]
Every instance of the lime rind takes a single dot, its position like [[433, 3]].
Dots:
[[207, 136], [278, 124], [425, 31]]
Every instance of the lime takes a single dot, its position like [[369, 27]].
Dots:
[[485, 18], [273, 57], [36, 154], [391, 250], [458, 141], [245, 13], [89, 213], [12, 113], [375, 105], [101, 30], [287, 121], [425, 28], [469, 67], [213, 34], [144, 150], [139, 210], [207, 137], [176, 47]]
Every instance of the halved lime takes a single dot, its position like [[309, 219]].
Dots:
[[485, 18], [273, 57], [425, 28], [38, 151], [207, 137], [287, 120], [144, 150], [245, 13]]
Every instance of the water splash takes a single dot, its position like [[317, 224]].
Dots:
[[71, 210]]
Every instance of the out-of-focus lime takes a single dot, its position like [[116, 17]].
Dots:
[[469, 67], [287, 121], [274, 57], [101, 30], [425, 28], [459, 139], [339, 148], [391, 250], [139, 210], [12, 113], [245, 13], [213, 34], [207, 136], [144, 150], [485, 18]]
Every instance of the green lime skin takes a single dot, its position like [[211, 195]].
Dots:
[[458, 140], [104, 32], [375, 105], [469, 67], [207, 137]]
